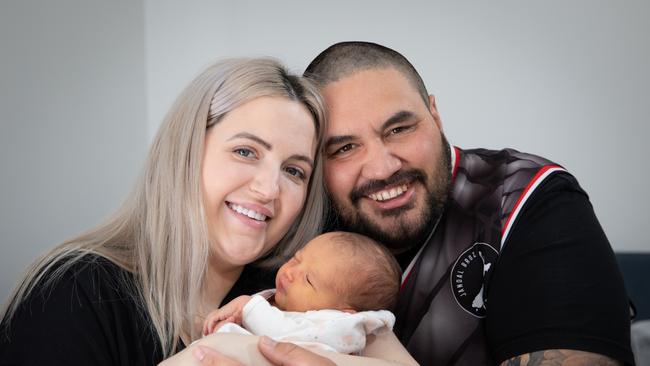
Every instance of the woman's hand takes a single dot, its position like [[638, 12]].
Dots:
[[209, 357], [279, 354], [288, 354]]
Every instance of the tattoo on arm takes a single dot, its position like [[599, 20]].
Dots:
[[561, 357]]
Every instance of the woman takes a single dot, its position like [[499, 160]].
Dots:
[[233, 177]]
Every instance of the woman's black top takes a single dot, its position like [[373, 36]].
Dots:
[[92, 316]]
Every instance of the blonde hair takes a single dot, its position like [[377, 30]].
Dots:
[[160, 233]]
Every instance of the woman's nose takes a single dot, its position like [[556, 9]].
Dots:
[[266, 185]]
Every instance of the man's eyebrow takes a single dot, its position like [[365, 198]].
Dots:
[[335, 140], [398, 117], [250, 136]]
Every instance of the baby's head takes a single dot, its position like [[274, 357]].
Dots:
[[339, 270]]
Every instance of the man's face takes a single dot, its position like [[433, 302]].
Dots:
[[387, 161]]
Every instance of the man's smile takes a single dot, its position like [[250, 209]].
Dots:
[[388, 193]]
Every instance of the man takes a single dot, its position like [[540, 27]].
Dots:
[[505, 262]]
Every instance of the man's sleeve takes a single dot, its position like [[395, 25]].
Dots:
[[557, 284]]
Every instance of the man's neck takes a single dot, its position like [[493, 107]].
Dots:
[[404, 258]]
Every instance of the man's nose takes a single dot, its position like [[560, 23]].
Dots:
[[380, 162]]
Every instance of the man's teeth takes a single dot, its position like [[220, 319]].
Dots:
[[250, 213], [388, 193]]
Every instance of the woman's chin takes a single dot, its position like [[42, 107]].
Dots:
[[242, 257]]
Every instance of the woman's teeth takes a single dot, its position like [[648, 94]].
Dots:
[[388, 193], [246, 212]]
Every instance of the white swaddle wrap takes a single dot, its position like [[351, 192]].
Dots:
[[330, 330]]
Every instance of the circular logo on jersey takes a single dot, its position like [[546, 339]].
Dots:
[[468, 277]]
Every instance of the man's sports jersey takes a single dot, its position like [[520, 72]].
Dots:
[[444, 299]]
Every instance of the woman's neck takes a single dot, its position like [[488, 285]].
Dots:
[[219, 280]]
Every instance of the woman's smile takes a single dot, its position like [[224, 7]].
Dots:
[[255, 176], [256, 217]]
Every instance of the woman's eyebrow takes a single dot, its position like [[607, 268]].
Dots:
[[268, 146], [250, 136], [304, 158]]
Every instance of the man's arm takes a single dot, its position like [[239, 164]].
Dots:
[[560, 357], [557, 287]]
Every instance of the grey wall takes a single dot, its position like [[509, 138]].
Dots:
[[568, 80], [72, 102], [84, 85]]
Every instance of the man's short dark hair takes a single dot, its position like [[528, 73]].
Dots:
[[346, 58]]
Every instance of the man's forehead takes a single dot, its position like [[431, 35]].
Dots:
[[362, 79], [368, 99]]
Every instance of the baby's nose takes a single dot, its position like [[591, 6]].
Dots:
[[292, 273]]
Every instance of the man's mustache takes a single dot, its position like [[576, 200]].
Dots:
[[399, 177]]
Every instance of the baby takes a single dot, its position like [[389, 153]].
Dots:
[[330, 295]]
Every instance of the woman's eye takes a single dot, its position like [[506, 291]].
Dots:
[[244, 152], [298, 173]]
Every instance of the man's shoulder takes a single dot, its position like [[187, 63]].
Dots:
[[505, 155]]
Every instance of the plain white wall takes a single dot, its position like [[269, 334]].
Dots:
[[74, 132], [78, 80]]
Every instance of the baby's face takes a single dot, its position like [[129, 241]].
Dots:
[[312, 279]]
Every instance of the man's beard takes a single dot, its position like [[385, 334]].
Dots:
[[402, 235]]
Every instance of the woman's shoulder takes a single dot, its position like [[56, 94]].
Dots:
[[73, 286], [86, 310], [91, 275]]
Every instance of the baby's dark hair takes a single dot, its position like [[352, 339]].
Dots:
[[374, 281]]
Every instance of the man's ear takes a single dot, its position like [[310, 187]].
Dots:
[[433, 109]]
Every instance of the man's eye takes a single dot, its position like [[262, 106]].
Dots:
[[244, 152], [398, 130], [343, 149]]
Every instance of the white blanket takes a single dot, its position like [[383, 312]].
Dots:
[[331, 330]]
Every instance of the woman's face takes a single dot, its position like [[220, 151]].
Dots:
[[256, 168]]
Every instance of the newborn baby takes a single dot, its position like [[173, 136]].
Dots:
[[330, 295]]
